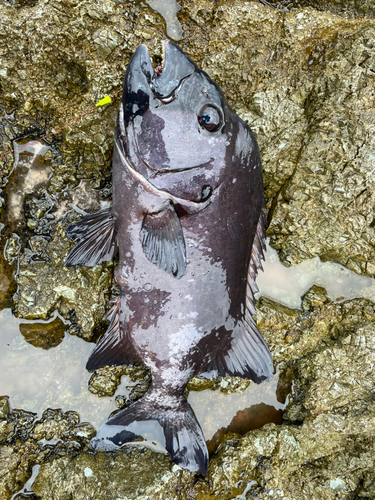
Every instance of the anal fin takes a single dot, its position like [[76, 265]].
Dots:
[[97, 240], [163, 241]]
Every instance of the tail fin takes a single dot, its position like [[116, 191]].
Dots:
[[175, 428]]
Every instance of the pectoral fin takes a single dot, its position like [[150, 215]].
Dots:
[[163, 241], [97, 240]]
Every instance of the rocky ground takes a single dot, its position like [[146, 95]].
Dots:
[[303, 79]]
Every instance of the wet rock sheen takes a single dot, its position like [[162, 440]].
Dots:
[[303, 79]]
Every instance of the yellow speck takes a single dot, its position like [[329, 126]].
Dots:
[[103, 101]]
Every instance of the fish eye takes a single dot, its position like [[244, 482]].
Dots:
[[210, 118]]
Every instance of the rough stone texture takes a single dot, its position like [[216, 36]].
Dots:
[[130, 475], [26, 441], [49, 285], [346, 8], [304, 81], [105, 381]]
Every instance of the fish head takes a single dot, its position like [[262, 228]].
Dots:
[[178, 131]]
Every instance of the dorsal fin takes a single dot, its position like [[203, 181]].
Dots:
[[245, 354], [257, 255]]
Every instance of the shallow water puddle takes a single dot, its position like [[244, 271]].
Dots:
[[168, 10], [220, 413], [287, 284], [39, 372], [36, 378]]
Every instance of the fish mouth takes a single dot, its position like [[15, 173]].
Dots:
[[165, 82], [166, 79]]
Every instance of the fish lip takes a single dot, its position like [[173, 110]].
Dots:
[[145, 62]]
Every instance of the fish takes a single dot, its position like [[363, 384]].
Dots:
[[188, 221]]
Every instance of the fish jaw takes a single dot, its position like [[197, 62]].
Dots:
[[177, 67]]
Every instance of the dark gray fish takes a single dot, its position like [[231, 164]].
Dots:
[[188, 221]]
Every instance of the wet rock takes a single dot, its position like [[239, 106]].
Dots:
[[12, 249], [47, 286], [134, 473], [315, 297], [26, 442], [347, 8], [330, 400], [292, 334], [227, 384], [297, 462], [4, 407], [105, 381], [44, 335], [54, 426], [16, 426]]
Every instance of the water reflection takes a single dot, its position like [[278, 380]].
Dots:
[[7, 283], [287, 284], [44, 335], [219, 413]]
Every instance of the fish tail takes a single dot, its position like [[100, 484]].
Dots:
[[185, 441], [174, 425]]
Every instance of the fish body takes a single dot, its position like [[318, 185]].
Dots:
[[187, 219]]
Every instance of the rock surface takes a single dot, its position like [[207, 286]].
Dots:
[[304, 80]]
